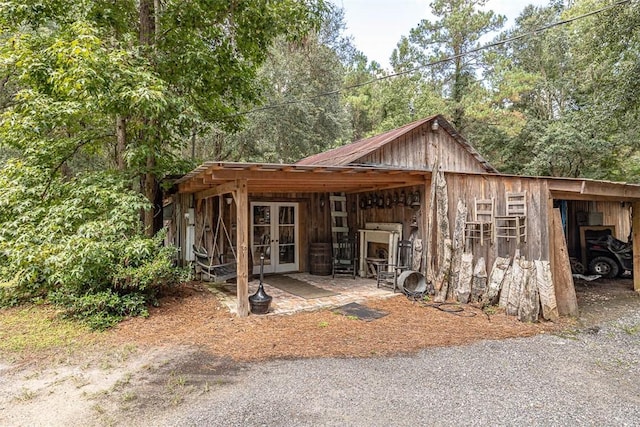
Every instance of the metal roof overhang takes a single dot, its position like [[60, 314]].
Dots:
[[592, 190], [214, 178]]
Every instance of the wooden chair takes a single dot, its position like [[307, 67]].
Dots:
[[387, 274], [513, 225], [481, 227], [345, 260]]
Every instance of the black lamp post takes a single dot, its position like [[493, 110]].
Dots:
[[260, 301]]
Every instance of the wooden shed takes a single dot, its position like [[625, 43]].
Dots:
[[422, 182]]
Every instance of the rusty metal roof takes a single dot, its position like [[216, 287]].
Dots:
[[349, 153]]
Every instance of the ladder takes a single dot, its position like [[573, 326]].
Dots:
[[339, 226]]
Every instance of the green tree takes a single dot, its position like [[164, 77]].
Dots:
[[569, 84], [95, 88], [457, 30], [303, 112], [133, 80]]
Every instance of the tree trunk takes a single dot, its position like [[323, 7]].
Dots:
[[442, 218], [442, 281], [121, 138], [506, 287], [529, 306], [496, 279], [147, 22], [150, 185], [479, 282], [513, 300], [463, 291], [546, 290], [458, 247]]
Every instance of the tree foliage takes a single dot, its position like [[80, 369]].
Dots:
[[442, 48], [96, 100], [75, 241]]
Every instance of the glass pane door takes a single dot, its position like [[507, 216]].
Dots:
[[261, 236], [274, 234], [286, 235]]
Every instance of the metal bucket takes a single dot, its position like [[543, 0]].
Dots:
[[412, 282]]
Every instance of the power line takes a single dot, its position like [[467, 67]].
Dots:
[[433, 63]]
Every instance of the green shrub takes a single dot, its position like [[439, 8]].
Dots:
[[79, 244], [100, 310]]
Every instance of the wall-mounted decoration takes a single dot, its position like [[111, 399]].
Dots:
[[415, 200], [403, 198]]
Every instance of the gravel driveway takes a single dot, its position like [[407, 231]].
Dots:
[[586, 377]]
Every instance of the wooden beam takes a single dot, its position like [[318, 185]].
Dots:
[[562, 277], [241, 196], [227, 187], [635, 228], [312, 176]]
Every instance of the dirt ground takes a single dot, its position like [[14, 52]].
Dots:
[[192, 315], [190, 343], [603, 300]]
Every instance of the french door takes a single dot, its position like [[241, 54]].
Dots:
[[274, 234]]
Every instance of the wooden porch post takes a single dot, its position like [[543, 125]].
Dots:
[[635, 225], [242, 246]]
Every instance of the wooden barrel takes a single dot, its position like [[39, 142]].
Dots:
[[320, 259]]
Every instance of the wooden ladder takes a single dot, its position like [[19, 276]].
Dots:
[[339, 226]]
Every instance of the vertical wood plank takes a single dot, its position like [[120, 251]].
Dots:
[[636, 246], [562, 277], [545, 199], [242, 243]]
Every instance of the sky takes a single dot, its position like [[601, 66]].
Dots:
[[377, 25]]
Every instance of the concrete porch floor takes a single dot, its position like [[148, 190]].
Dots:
[[347, 290]]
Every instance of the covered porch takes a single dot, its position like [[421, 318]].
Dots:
[[250, 189], [253, 197]]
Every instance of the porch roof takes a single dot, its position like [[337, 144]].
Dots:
[[210, 178], [280, 178]]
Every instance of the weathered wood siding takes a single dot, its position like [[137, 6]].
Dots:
[[469, 187], [181, 204], [422, 148], [449, 154], [409, 150], [314, 219], [395, 213]]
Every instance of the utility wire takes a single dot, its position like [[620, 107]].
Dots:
[[431, 64]]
